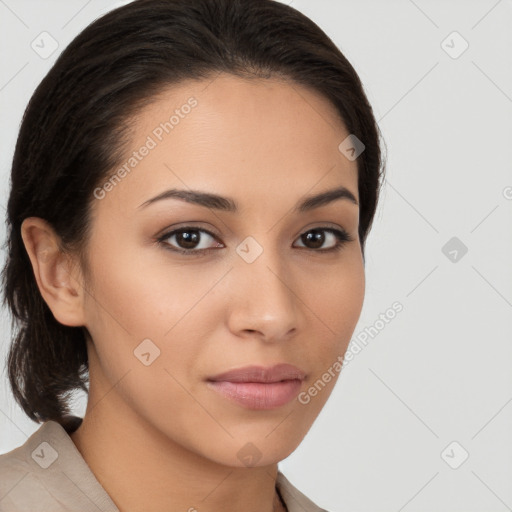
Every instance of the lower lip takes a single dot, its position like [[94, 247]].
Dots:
[[258, 395]]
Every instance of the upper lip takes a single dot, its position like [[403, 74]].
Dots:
[[268, 374]]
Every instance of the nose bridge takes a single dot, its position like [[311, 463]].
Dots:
[[264, 292]]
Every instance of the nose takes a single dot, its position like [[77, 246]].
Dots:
[[263, 301]]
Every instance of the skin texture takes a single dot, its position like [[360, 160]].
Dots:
[[157, 434]]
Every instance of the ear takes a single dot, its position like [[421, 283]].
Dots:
[[54, 272]]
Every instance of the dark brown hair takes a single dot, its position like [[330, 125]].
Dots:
[[76, 122]]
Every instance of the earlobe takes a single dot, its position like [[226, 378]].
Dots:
[[53, 271]]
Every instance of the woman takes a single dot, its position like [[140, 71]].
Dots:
[[191, 191]]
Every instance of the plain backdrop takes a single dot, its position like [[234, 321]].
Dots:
[[421, 417]]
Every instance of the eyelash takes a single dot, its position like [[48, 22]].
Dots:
[[341, 238]]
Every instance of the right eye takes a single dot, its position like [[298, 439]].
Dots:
[[187, 239]]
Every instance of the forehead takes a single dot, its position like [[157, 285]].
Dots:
[[259, 140]]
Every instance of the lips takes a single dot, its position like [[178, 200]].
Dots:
[[257, 387], [275, 373]]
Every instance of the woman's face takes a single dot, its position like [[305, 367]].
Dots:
[[269, 291]]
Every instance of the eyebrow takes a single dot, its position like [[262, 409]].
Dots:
[[226, 204]]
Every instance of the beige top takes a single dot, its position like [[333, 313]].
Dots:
[[48, 474]]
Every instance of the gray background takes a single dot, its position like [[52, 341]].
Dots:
[[439, 372]]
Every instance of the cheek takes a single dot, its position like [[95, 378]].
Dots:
[[336, 298], [336, 302], [140, 294], [135, 300]]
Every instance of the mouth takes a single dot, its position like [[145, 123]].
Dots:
[[258, 395], [258, 387]]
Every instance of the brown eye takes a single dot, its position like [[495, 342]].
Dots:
[[314, 239], [188, 239]]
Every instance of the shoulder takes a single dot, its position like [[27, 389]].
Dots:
[[295, 500], [13, 468], [46, 473], [22, 480]]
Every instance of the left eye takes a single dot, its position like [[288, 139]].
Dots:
[[317, 238], [188, 238]]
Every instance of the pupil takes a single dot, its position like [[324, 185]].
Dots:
[[317, 237], [188, 237]]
